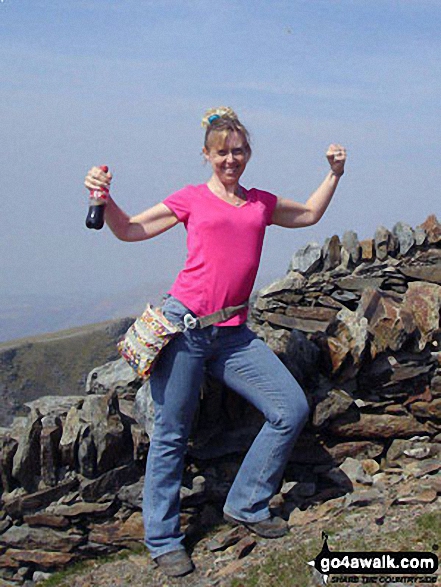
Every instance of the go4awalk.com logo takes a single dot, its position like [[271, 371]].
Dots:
[[387, 567]]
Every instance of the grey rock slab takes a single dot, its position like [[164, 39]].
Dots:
[[420, 468], [358, 283], [50, 455], [291, 282], [290, 322], [26, 463], [307, 259], [355, 471], [109, 431], [364, 497], [337, 402], [417, 449], [405, 235], [20, 504], [385, 243], [109, 482], [352, 245], [114, 376], [26, 537], [331, 253], [55, 405], [81, 508], [420, 236], [143, 408], [8, 448]]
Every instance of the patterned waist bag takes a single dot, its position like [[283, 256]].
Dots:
[[151, 332]]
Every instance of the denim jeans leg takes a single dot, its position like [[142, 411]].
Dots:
[[175, 386], [252, 369]]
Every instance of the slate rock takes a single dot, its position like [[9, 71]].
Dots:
[[427, 410], [26, 464], [390, 323], [347, 337], [8, 448], [116, 377], [226, 538], [337, 402], [385, 243], [244, 547], [363, 497], [406, 240], [143, 408], [351, 244], [331, 253], [54, 405], [432, 228], [50, 456], [355, 471], [29, 538], [307, 259], [423, 301], [14, 558], [110, 482], [377, 426], [293, 281], [18, 505], [117, 532]]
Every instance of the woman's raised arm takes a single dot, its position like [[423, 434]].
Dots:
[[291, 214]]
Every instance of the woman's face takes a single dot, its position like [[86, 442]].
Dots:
[[228, 157]]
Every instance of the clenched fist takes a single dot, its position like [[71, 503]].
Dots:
[[336, 156]]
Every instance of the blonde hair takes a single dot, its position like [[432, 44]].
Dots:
[[220, 122]]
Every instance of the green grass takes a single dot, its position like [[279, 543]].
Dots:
[[288, 568]]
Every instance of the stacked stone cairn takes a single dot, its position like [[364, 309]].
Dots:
[[357, 323]]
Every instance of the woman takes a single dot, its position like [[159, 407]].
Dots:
[[225, 224]]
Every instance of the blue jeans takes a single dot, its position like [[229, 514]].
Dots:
[[247, 365]]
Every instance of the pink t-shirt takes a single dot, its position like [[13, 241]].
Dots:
[[224, 244]]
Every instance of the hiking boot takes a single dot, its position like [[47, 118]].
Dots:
[[175, 564], [273, 527]]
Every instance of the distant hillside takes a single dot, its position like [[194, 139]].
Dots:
[[56, 363], [25, 314]]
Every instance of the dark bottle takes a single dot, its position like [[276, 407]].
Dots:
[[97, 206]]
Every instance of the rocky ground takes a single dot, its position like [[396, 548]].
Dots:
[[378, 521]]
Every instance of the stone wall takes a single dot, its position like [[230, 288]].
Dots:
[[357, 323]]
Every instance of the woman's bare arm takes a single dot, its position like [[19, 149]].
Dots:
[[291, 214], [150, 223]]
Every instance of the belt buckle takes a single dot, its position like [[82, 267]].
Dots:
[[190, 321]]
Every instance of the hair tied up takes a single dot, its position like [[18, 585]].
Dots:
[[214, 114]]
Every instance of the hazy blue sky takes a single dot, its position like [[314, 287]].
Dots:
[[125, 83]]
